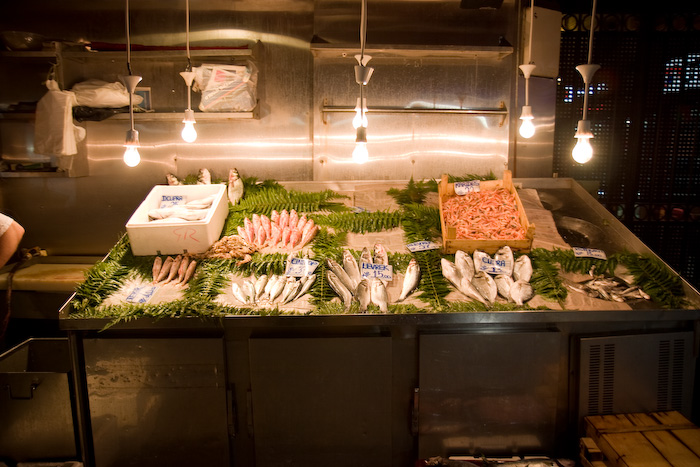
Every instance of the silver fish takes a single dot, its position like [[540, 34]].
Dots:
[[291, 289], [341, 274], [339, 288], [366, 256], [522, 269], [521, 292], [172, 180], [505, 255], [503, 284], [410, 280], [351, 268], [260, 284], [277, 288], [362, 294], [203, 177], [486, 286], [464, 264], [235, 187], [380, 254], [248, 288], [449, 270], [467, 288], [306, 283], [238, 293], [378, 294]]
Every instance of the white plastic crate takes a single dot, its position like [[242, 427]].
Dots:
[[153, 238]]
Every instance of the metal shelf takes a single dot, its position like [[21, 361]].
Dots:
[[411, 51]]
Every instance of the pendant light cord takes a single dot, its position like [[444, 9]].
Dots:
[[363, 30], [187, 34], [590, 56], [532, 28], [128, 41]]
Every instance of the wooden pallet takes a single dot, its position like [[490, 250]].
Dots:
[[658, 439]]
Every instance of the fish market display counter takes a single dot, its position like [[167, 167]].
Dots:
[[318, 386]]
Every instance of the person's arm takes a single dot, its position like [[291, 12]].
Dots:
[[9, 241]]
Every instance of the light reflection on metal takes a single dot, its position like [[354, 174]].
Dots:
[[501, 111]]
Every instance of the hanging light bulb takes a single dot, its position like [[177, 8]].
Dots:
[[360, 155], [132, 158], [583, 151], [189, 134], [527, 127]]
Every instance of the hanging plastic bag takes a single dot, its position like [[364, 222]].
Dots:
[[54, 131], [101, 94], [226, 88]]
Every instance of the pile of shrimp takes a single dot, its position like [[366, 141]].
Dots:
[[484, 215]]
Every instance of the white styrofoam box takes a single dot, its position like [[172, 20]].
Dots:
[[153, 238]]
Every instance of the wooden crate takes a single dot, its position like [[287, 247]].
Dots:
[[658, 439], [450, 242]]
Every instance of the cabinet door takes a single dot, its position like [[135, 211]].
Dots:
[[321, 401], [157, 401], [487, 393]]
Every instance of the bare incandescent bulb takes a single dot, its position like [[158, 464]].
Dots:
[[527, 128], [132, 158], [583, 152], [360, 155]]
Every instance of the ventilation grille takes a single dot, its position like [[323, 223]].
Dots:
[[670, 382], [602, 379]]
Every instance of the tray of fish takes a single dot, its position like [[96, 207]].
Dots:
[[483, 215], [178, 219]]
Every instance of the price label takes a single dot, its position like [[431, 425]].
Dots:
[[141, 294], [381, 271], [422, 246], [168, 201], [493, 266], [472, 186], [589, 253], [300, 267]]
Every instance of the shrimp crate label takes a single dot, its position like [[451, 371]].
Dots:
[[485, 219], [191, 226]]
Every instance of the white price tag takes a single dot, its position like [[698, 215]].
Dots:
[[472, 186], [493, 266], [589, 253], [168, 201], [381, 271], [422, 246], [141, 294], [299, 267]]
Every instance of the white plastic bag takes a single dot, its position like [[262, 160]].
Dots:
[[101, 94], [226, 88], [54, 131]]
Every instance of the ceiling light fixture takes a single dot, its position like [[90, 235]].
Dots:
[[527, 128], [363, 73], [189, 134], [132, 158], [583, 152]]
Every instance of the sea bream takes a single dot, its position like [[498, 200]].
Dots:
[[521, 292], [504, 258], [235, 187], [464, 264], [503, 284], [522, 269], [450, 272], [486, 286], [410, 280]]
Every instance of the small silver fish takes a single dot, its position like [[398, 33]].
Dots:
[[378, 294], [521, 292], [522, 269], [291, 288], [341, 274], [486, 286], [306, 283], [277, 288], [351, 268], [410, 280], [339, 288], [203, 177], [248, 288], [503, 284], [467, 288], [504, 256], [238, 293], [260, 284], [235, 187], [362, 294], [380, 254], [464, 264]]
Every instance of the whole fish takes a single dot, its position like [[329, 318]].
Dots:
[[248, 288], [486, 286], [291, 288], [306, 284], [284, 219], [467, 288], [157, 265], [478, 257], [302, 222], [235, 187], [366, 256], [378, 295], [362, 294], [190, 271], [339, 288], [238, 293], [503, 284], [521, 292], [380, 254], [341, 274], [450, 272], [260, 284], [294, 237], [243, 234], [174, 268], [464, 264], [522, 269], [165, 269], [172, 180], [309, 234], [410, 279], [293, 219], [286, 235], [351, 268], [504, 257], [261, 236], [201, 203], [275, 234], [204, 177], [268, 286], [277, 288], [275, 217], [249, 230]]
